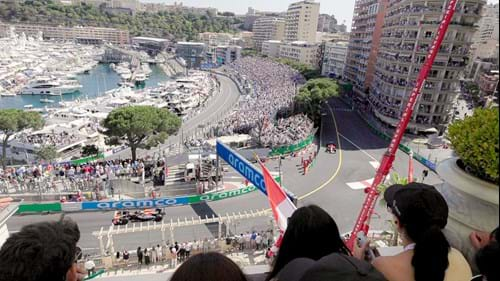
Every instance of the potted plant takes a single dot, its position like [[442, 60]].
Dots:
[[470, 181]]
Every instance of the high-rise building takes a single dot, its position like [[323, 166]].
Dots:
[[334, 58], [409, 30], [193, 53], [364, 40], [302, 21], [268, 28], [485, 41]]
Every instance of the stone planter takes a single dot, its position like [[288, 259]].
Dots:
[[473, 205]]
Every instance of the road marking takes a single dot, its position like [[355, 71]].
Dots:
[[360, 149], [340, 159], [375, 164], [360, 184]]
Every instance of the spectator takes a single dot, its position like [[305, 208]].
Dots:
[[42, 251], [147, 256], [420, 213], [173, 257], [311, 233], [335, 266], [90, 266], [159, 254], [139, 255], [487, 256], [126, 256], [208, 267]]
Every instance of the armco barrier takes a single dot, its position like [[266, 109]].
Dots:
[[164, 202], [292, 148], [39, 208], [429, 164]]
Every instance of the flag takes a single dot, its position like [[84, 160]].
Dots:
[[281, 205]]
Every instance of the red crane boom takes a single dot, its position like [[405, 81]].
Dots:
[[362, 223]]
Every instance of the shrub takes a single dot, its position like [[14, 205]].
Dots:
[[475, 140]]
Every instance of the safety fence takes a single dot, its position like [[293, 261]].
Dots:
[[133, 203], [287, 149]]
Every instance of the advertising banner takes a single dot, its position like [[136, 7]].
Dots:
[[240, 164], [135, 203], [71, 207]]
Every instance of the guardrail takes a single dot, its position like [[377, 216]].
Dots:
[[292, 148], [133, 203]]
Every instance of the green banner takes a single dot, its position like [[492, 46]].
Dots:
[[87, 159], [39, 208], [292, 148]]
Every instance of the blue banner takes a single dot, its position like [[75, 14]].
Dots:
[[240, 164], [135, 203]]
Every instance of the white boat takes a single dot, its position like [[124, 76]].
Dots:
[[140, 78], [46, 101], [28, 106], [51, 87], [7, 94]]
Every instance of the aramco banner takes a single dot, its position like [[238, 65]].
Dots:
[[240, 164]]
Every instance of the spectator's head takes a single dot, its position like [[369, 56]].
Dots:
[[420, 213], [311, 233], [41, 251], [208, 266], [488, 256], [331, 267]]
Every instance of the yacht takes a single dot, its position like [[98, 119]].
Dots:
[[51, 87], [46, 100], [140, 78]]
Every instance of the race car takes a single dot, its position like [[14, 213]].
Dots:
[[123, 217]]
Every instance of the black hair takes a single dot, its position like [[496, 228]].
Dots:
[[210, 266], [40, 251], [424, 228], [311, 233], [487, 257]]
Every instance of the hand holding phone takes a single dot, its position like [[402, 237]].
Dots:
[[364, 244]]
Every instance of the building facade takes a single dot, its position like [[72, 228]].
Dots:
[[268, 28], [193, 53], [364, 40], [485, 41], [271, 48], [302, 21], [227, 54], [301, 52], [85, 35], [215, 39], [334, 58], [408, 32], [488, 82]]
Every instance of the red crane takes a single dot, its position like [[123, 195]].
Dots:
[[362, 223]]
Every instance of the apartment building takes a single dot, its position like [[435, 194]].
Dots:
[[84, 35], [408, 32], [215, 39], [302, 21], [364, 40], [271, 48], [268, 28], [301, 51], [334, 57], [485, 41]]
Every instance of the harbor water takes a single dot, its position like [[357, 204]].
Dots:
[[99, 80]]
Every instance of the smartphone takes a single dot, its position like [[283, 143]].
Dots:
[[362, 240]]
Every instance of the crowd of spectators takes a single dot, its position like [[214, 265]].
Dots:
[[67, 177], [55, 139], [311, 248], [285, 131], [273, 87]]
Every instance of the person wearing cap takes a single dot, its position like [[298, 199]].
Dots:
[[420, 213]]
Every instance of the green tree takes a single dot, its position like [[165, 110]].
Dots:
[[47, 153], [313, 94], [475, 140], [13, 121], [90, 150], [141, 126]]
